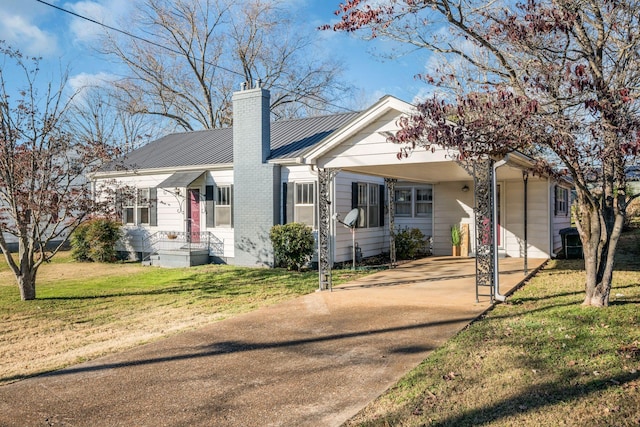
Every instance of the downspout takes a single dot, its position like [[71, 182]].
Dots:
[[496, 272], [525, 177]]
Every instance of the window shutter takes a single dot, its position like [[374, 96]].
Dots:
[[555, 200], [354, 195], [316, 205], [153, 207], [209, 205], [119, 208], [231, 201], [381, 204], [288, 202], [283, 200]]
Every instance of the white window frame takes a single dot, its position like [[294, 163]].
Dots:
[[408, 202], [428, 202], [368, 198], [222, 206], [143, 205], [414, 203], [562, 200], [303, 199]]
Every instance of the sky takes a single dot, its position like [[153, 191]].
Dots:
[[63, 40]]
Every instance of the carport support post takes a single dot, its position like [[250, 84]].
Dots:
[[325, 177], [391, 200], [483, 176]]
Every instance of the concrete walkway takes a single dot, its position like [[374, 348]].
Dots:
[[312, 361]]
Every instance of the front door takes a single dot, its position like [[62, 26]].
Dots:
[[194, 215]]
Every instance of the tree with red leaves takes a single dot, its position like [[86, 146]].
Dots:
[[44, 192], [558, 78]]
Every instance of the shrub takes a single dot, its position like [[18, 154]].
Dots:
[[410, 242], [80, 243], [293, 244], [96, 240]]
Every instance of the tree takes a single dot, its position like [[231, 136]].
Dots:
[[98, 115], [554, 77], [43, 192], [202, 50]]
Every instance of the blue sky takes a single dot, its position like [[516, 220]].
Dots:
[[62, 40]]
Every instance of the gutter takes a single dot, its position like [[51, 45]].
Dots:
[[496, 272]]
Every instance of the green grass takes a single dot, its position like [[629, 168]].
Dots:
[[541, 359]]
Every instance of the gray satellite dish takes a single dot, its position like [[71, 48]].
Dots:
[[350, 221], [351, 218]]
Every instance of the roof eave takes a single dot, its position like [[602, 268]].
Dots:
[[152, 171]]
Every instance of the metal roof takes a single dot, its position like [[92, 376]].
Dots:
[[180, 179], [289, 138]]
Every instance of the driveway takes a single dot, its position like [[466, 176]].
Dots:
[[312, 361]]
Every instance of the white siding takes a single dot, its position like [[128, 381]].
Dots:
[[370, 147], [219, 178], [424, 224], [513, 218], [372, 241], [171, 209], [451, 206]]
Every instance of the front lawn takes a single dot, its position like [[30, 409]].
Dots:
[[84, 310], [541, 359]]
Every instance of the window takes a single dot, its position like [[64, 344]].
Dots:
[[138, 206], [223, 207], [424, 202], [374, 205], [143, 206], [369, 200], [299, 203], [304, 209], [128, 208], [414, 202], [403, 202], [562, 201]]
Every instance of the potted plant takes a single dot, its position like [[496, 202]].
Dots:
[[456, 239], [172, 236]]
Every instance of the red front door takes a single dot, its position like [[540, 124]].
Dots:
[[194, 215]]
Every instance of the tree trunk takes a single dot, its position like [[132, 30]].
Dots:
[[28, 268], [599, 234], [27, 285]]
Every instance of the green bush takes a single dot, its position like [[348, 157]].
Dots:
[[80, 243], [293, 244], [410, 242], [96, 240]]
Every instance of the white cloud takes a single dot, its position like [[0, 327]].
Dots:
[[19, 32], [84, 80], [105, 12]]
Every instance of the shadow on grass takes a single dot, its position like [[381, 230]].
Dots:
[[534, 398], [224, 283]]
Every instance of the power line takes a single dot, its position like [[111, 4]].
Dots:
[[161, 46]]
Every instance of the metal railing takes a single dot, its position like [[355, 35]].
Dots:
[[181, 241]]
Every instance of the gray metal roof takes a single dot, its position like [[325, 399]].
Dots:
[[289, 138]]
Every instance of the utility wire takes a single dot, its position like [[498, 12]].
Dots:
[[151, 42]]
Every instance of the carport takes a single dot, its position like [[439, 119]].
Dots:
[[362, 148]]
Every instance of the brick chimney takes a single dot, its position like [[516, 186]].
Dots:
[[256, 183]]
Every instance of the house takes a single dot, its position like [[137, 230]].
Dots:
[[216, 193]]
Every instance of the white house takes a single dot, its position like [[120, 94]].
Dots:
[[220, 191]]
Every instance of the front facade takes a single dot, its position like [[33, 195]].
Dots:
[[220, 191]]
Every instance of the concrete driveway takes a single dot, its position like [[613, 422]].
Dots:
[[312, 361]]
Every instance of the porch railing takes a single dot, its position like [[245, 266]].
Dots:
[[181, 241]]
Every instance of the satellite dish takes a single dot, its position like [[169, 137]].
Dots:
[[351, 218]]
